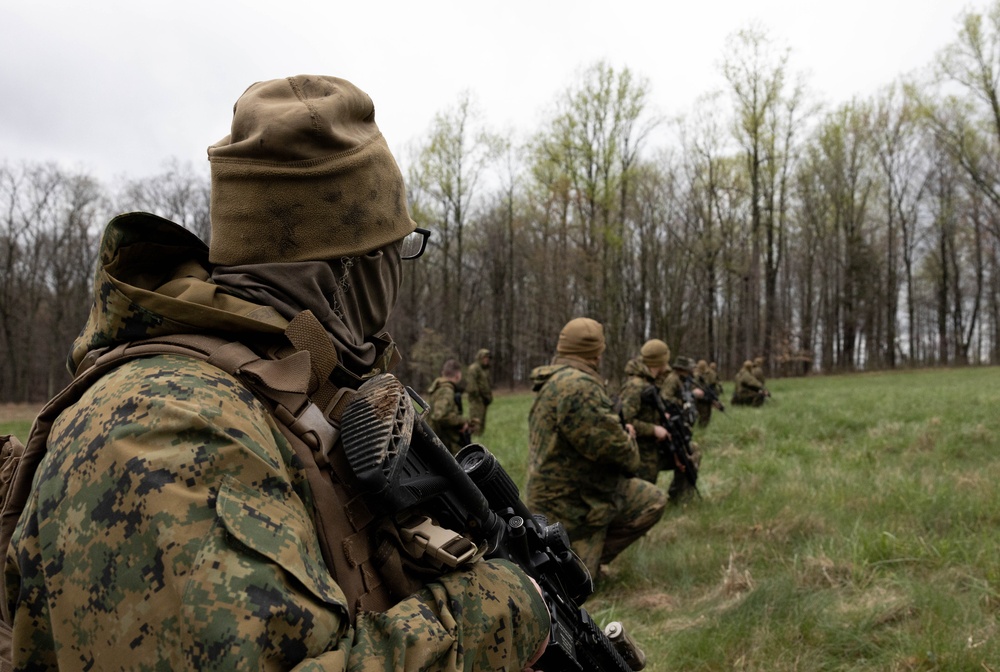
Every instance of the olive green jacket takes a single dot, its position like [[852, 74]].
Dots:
[[445, 418], [643, 417]]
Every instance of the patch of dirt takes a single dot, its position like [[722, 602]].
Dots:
[[19, 412]]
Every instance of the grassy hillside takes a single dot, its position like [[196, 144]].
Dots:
[[850, 524]]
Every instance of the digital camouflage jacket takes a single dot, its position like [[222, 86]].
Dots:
[[169, 525], [579, 451]]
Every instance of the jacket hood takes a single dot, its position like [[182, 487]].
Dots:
[[152, 280], [635, 367], [441, 382], [541, 374]]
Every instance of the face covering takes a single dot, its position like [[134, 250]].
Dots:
[[352, 297]]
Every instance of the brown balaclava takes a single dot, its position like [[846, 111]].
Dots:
[[582, 338], [308, 207], [655, 353]]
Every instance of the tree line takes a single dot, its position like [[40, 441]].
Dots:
[[864, 235]]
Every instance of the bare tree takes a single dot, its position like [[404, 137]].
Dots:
[[179, 193], [47, 251]]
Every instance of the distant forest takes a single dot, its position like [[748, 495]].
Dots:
[[863, 236]]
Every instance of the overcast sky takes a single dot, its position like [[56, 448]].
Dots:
[[118, 87]]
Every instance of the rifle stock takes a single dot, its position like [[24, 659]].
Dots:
[[710, 395]]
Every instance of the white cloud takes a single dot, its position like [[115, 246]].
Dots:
[[121, 86]]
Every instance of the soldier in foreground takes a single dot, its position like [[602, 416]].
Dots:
[[446, 417], [172, 523], [641, 372], [477, 386], [582, 462]]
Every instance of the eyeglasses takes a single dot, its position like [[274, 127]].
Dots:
[[414, 244]]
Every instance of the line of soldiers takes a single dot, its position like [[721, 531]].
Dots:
[[594, 462]]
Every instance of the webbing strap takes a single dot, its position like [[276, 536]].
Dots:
[[306, 333]]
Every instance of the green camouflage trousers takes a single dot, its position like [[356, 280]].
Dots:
[[639, 505], [477, 411]]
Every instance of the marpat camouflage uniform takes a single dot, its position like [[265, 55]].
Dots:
[[445, 418], [643, 417], [170, 524], [477, 387], [581, 464]]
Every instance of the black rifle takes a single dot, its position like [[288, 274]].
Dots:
[[402, 465], [710, 395], [676, 450], [688, 411]]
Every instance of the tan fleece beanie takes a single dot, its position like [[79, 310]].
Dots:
[[305, 175], [655, 353], [581, 337]]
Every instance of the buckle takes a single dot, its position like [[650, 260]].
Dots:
[[428, 538]]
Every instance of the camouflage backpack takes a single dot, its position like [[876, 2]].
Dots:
[[376, 560]]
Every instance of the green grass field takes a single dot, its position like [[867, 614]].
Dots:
[[16, 419], [853, 523]]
